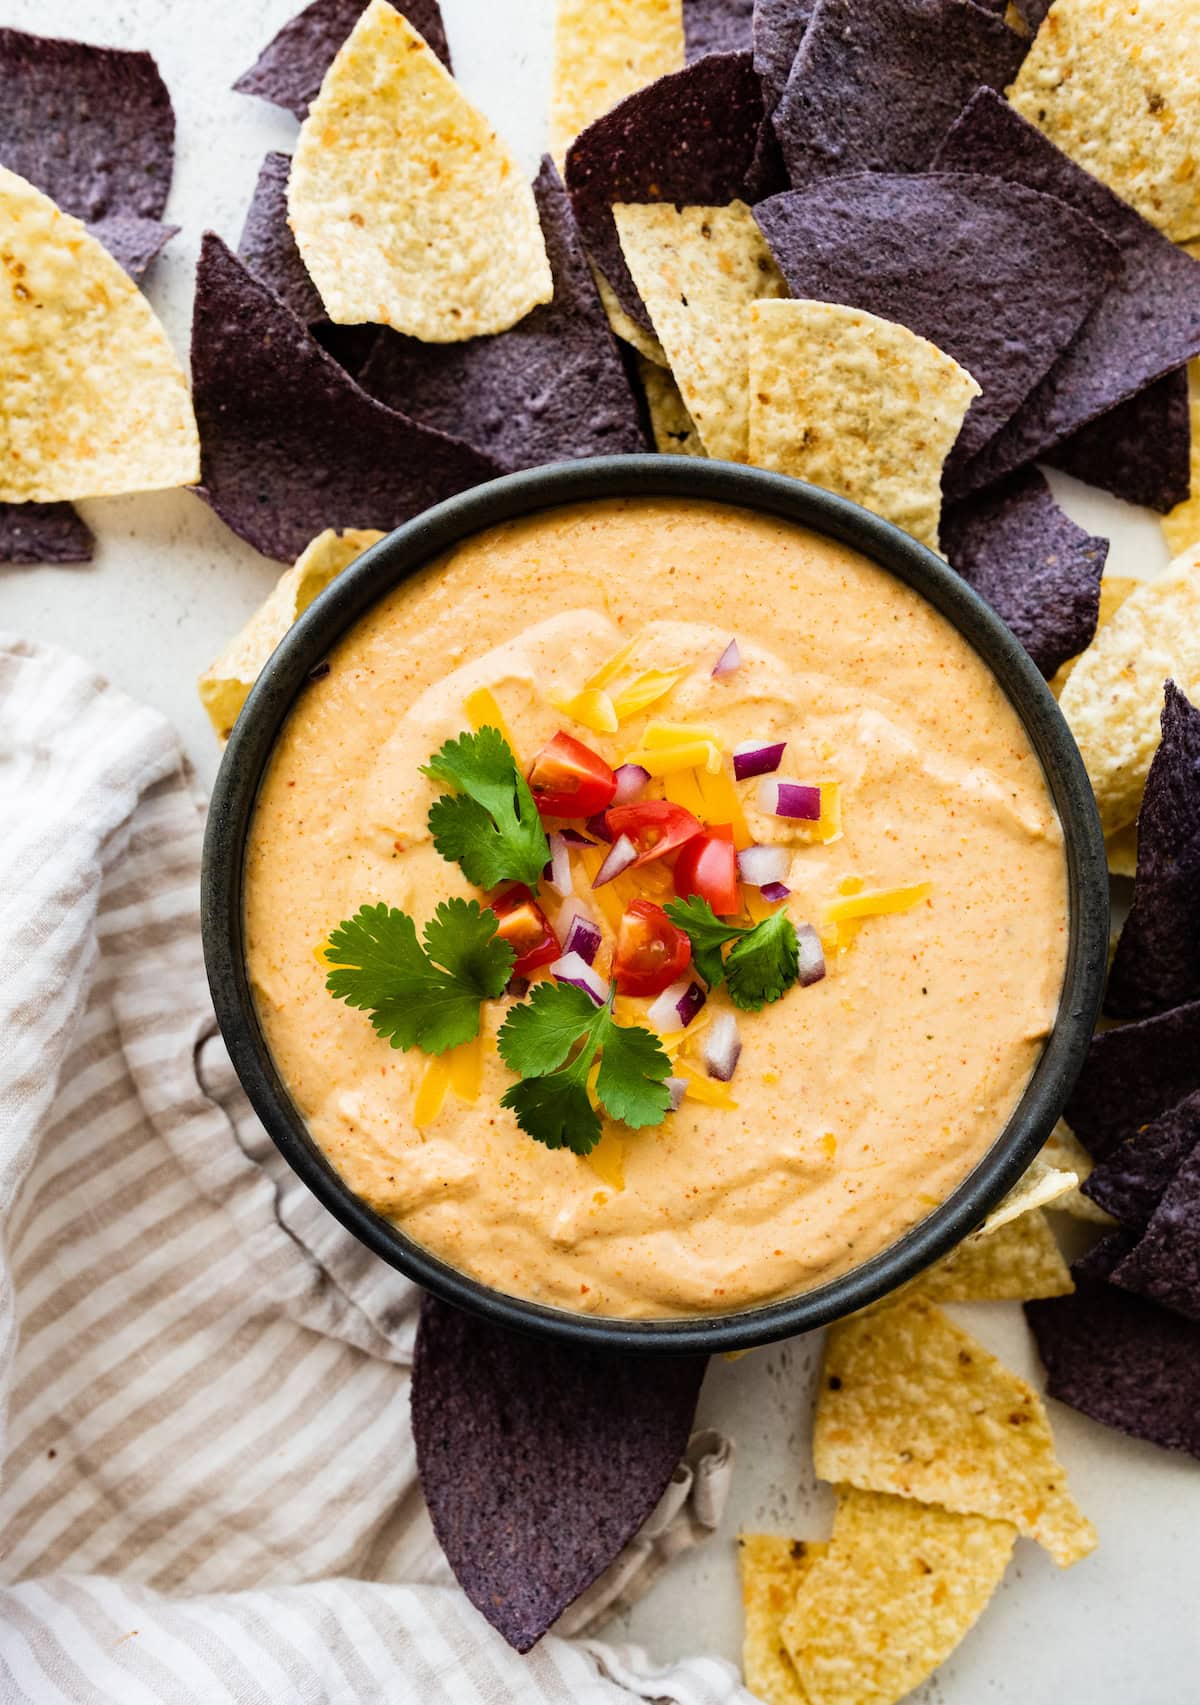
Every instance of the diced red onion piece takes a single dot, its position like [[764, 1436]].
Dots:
[[575, 839], [558, 872], [722, 1045], [676, 1089], [773, 892], [760, 866], [620, 856], [598, 827], [574, 969], [757, 758], [728, 662], [812, 955], [792, 799], [583, 938], [676, 1007], [631, 780]]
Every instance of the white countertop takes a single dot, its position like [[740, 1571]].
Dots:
[[170, 584]]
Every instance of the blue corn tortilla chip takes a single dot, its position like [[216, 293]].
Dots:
[[269, 249], [1145, 326], [1157, 962], [1132, 1075], [1141, 450], [290, 444], [1133, 1180], [688, 137], [777, 32], [539, 1462], [550, 389], [133, 242], [291, 68], [1036, 568], [999, 276], [43, 532], [1164, 1266], [716, 26], [876, 83]]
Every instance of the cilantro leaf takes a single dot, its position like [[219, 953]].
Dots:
[[537, 1035], [555, 1110], [707, 934], [633, 1071], [764, 963], [491, 826], [425, 997]]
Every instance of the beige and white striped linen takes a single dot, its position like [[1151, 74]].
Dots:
[[207, 1481]]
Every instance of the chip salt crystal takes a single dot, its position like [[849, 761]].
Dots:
[[407, 208]]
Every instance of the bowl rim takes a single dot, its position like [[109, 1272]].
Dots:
[[376, 573]]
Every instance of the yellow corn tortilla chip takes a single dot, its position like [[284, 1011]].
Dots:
[[1064, 1149], [603, 51], [1114, 589], [896, 1590], [625, 327], [1037, 1187], [909, 1403], [1182, 526], [856, 404], [1019, 1262], [673, 427], [772, 1570], [225, 685], [1122, 851], [1114, 84], [1113, 699], [92, 399], [697, 269], [407, 208]]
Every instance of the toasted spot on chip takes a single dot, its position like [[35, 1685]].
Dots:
[[1041, 1184], [697, 269], [1113, 696], [911, 1404], [673, 427], [1114, 85], [893, 1593], [772, 1570], [44, 532], [855, 404], [603, 51], [93, 401], [291, 68], [225, 685], [407, 208], [1182, 526]]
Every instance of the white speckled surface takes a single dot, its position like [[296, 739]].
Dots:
[[170, 584]]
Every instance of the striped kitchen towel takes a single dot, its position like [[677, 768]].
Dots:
[[208, 1490]]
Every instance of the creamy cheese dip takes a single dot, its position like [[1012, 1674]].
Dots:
[[863, 1100]]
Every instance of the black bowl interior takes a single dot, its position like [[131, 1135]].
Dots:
[[376, 573]]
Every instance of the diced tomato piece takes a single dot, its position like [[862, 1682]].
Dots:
[[526, 928], [568, 779], [650, 953], [655, 826], [707, 866]]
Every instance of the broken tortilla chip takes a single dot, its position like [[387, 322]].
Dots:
[[911, 1404], [1113, 696], [44, 532], [1133, 1073], [1114, 85], [1064, 1151], [1164, 1265], [1140, 450], [673, 427], [603, 51], [1018, 1261], [93, 401], [291, 68], [894, 1592], [1182, 526], [1131, 1182], [407, 208], [856, 404], [697, 269], [646, 344], [225, 685], [772, 1571], [1040, 1185]]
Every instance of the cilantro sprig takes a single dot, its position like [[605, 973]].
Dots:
[[760, 967], [552, 1041], [490, 826], [420, 996]]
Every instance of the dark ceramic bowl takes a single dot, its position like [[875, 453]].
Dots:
[[375, 574]]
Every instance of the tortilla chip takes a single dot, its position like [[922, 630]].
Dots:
[[1182, 525], [44, 532], [716, 26], [134, 243], [1114, 589], [1164, 1266], [876, 84], [1114, 694], [673, 427], [225, 685], [92, 399], [644, 342], [687, 138], [1039, 1186], [540, 1461], [1036, 568], [1140, 451], [697, 269], [911, 1404], [1132, 1075], [1133, 1179], [1121, 850], [1114, 85], [896, 1590], [268, 247], [291, 68], [1066, 1153], [290, 443], [999, 276], [772, 1570], [855, 404], [407, 208], [1018, 1261], [777, 31], [1145, 326], [603, 51]]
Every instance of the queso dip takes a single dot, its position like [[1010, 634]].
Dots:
[[858, 1103]]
